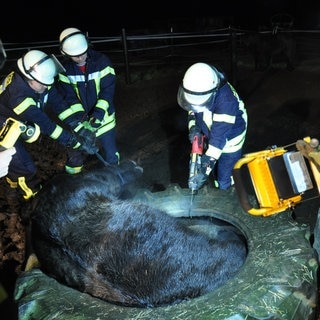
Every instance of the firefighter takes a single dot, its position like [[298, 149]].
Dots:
[[89, 79], [215, 110], [24, 95]]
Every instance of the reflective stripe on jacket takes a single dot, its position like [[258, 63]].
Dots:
[[93, 89], [19, 101], [225, 123]]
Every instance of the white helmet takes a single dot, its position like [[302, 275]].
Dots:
[[199, 84], [37, 65], [73, 42]]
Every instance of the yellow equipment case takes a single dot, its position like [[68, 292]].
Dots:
[[278, 178]]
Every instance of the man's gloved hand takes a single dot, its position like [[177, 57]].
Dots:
[[95, 123], [87, 135], [84, 141], [87, 140], [92, 124], [87, 125], [86, 147], [193, 131], [197, 181], [207, 164]]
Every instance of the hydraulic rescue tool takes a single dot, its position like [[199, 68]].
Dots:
[[281, 177], [12, 129], [195, 164]]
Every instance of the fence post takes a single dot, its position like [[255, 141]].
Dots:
[[126, 55]]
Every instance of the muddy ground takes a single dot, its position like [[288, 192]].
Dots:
[[283, 106]]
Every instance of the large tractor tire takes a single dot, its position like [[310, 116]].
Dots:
[[277, 281]]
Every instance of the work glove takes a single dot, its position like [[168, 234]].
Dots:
[[87, 125], [95, 123], [207, 164], [84, 140], [194, 131], [92, 124], [198, 180], [87, 141]]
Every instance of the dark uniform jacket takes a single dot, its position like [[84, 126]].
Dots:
[[89, 94], [19, 101]]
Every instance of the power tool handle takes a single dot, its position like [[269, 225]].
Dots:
[[197, 144]]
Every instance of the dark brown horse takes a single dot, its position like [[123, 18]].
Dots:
[[125, 252]]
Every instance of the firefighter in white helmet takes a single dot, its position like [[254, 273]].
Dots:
[[24, 96], [89, 80], [216, 111], [73, 42]]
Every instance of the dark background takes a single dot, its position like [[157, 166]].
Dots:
[[30, 21]]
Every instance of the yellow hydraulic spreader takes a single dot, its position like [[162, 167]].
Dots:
[[279, 178]]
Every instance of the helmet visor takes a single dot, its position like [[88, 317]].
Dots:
[[44, 70], [59, 67], [194, 101]]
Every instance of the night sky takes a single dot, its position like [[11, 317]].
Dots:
[[30, 21]]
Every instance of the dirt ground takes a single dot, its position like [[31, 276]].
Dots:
[[283, 106]]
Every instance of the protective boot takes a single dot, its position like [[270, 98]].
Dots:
[[73, 170], [12, 184], [12, 196], [74, 163], [30, 189]]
